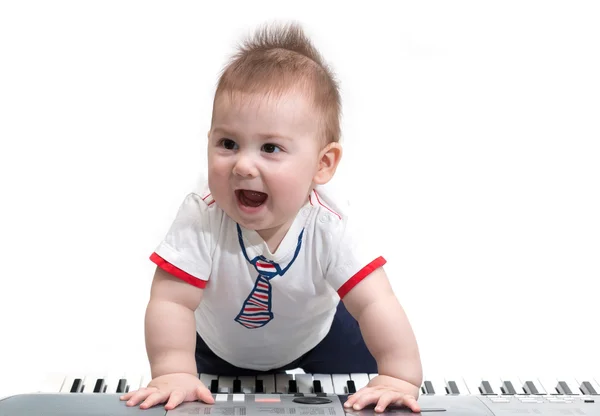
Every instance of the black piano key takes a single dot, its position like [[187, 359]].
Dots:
[[530, 388], [122, 386], [317, 388], [237, 386], [77, 386], [292, 386], [214, 386], [508, 388], [99, 387], [453, 388], [260, 388], [563, 388], [486, 388], [587, 388], [429, 387], [351, 386]]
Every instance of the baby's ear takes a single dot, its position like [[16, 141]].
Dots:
[[329, 158]]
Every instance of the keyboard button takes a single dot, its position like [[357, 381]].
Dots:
[[428, 387], [326, 382], [317, 388], [260, 387], [460, 385], [214, 386], [77, 386], [237, 386], [508, 388], [588, 389], [292, 386], [531, 388], [351, 386], [452, 387], [360, 380], [486, 388]]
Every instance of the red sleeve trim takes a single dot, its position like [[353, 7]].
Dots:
[[362, 273], [177, 272]]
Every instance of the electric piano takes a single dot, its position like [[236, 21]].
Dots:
[[298, 394]]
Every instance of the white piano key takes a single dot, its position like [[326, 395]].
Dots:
[[304, 383], [248, 384], [268, 382], [221, 397], [360, 380], [473, 383], [339, 383], [326, 382], [226, 384], [282, 382], [51, 383], [134, 381], [145, 379], [549, 384], [372, 376]]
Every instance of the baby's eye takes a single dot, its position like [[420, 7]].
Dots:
[[271, 148], [228, 144]]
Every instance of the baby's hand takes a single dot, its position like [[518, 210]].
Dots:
[[384, 391], [176, 388]]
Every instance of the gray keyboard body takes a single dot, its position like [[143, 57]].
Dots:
[[43, 404]]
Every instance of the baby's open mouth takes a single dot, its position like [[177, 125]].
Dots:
[[251, 198]]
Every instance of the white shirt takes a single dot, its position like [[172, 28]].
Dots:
[[209, 250]]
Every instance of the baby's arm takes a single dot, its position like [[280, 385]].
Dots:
[[170, 325], [170, 344], [387, 333]]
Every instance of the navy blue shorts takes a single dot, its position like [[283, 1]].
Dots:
[[343, 350]]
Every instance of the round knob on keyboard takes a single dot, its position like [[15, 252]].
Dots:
[[312, 400]]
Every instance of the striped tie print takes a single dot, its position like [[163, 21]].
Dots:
[[256, 311]]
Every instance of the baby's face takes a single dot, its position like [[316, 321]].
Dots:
[[263, 153]]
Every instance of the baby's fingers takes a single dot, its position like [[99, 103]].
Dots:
[[155, 398], [134, 397], [362, 398], [410, 402], [177, 397], [400, 399]]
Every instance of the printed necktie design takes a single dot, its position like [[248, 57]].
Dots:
[[256, 310]]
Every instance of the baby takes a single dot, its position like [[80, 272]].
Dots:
[[262, 270]]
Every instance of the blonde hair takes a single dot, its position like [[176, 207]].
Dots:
[[281, 57]]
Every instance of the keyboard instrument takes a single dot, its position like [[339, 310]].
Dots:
[[315, 394]]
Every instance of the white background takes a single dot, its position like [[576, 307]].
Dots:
[[470, 128]]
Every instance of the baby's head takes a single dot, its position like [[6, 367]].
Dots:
[[275, 130]]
